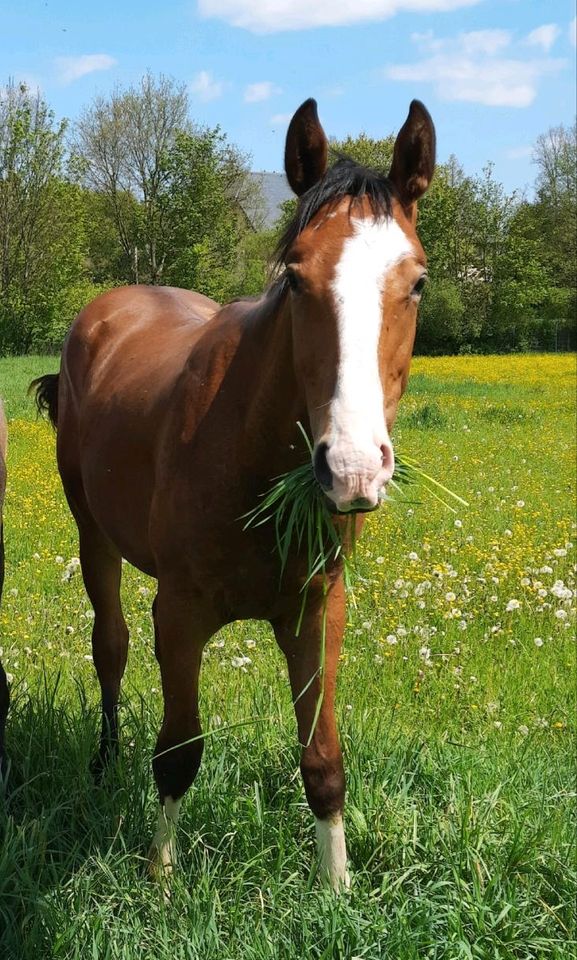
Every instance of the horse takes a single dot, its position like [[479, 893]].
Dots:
[[173, 414], [4, 695]]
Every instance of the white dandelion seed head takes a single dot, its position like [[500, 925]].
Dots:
[[240, 661]]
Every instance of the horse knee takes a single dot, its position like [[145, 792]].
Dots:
[[324, 782]]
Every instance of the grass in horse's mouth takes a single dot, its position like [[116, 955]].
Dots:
[[304, 516]]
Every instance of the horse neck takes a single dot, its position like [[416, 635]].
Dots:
[[276, 401]]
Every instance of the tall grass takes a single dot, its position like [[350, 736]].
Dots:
[[459, 743]]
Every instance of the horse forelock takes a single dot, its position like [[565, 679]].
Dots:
[[345, 178]]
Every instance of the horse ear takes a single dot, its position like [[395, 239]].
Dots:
[[414, 155], [306, 149]]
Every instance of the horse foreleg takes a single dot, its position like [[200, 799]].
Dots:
[[181, 632], [313, 672]]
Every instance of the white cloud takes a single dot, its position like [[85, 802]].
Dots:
[[72, 68], [573, 31], [274, 16], [281, 119], [519, 153], [204, 87], [257, 92], [543, 37], [468, 68], [488, 42]]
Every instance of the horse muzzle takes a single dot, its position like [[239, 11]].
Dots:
[[351, 479]]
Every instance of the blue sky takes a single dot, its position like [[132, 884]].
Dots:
[[493, 73]]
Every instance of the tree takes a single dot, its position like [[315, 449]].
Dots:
[[555, 210], [377, 154], [42, 229], [204, 181], [31, 150], [440, 327], [121, 143]]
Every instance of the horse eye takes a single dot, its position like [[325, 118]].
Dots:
[[292, 279], [419, 286]]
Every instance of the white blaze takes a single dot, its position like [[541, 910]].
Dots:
[[358, 422]]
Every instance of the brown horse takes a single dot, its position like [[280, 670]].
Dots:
[[4, 696], [173, 415]]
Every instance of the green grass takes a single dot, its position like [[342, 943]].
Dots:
[[459, 740]]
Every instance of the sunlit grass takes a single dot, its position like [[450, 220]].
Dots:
[[456, 708]]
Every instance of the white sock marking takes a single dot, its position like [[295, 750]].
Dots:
[[332, 852], [163, 848]]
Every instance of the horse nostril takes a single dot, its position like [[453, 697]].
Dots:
[[321, 468], [388, 457]]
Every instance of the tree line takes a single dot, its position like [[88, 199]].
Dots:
[[135, 192]]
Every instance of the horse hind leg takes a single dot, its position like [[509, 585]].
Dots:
[[181, 629], [102, 570]]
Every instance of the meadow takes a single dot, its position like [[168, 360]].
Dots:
[[456, 707]]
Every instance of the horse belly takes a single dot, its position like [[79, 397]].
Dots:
[[117, 482]]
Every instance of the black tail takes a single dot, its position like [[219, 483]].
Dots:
[[46, 395]]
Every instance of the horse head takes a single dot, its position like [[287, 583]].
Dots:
[[355, 269]]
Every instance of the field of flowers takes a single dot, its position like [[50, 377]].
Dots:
[[456, 706]]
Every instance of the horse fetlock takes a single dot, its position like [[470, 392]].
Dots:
[[162, 852], [324, 782], [332, 853], [176, 764]]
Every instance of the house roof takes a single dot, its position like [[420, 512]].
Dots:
[[274, 190]]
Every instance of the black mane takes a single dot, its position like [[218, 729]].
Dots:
[[345, 178]]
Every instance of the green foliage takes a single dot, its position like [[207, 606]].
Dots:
[[440, 318], [555, 213], [255, 255], [148, 197], [43, 231], [377, 154], [204, 221]]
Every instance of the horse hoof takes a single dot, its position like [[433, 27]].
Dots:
[[4, 768], [97, 768], [338, 885], [160, 870], [103, 761]]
